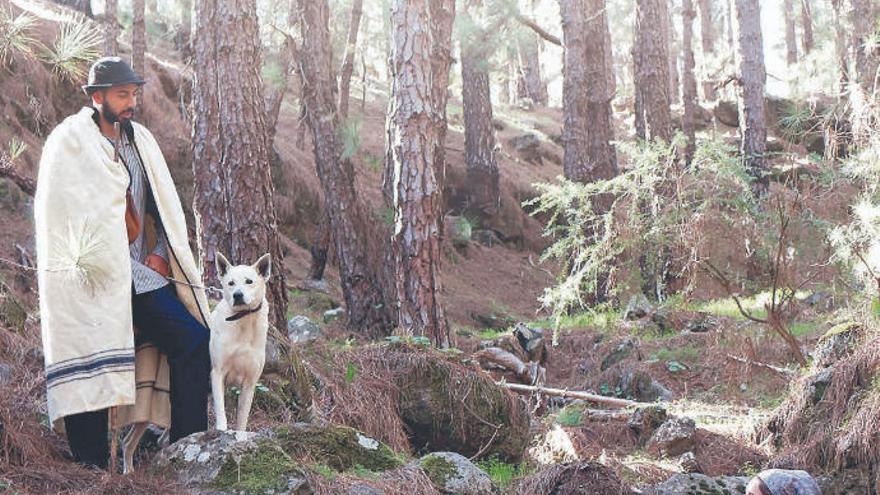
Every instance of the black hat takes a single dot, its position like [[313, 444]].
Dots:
[[110, 71]]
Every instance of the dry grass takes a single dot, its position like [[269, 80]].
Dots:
[[408, 480], [572, 479]]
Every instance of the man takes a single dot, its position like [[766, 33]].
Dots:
[[98, 280], [782, 482]]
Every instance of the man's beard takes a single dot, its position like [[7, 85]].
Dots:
[[113, 117]]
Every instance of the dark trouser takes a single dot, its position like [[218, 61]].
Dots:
[[163, 320]]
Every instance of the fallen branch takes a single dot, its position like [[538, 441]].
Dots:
[[573, 394], [538, 29], [782, 371], [26, 184]]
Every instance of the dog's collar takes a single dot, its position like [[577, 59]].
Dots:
[[242, 314]]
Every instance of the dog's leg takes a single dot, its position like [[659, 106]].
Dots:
[[129, 445], [244, 405], [217, 390]]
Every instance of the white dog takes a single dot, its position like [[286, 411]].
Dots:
[[239, 325]]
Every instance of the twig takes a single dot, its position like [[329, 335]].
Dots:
[[26, 184], [782, 371], [538, 29], [601, 399]]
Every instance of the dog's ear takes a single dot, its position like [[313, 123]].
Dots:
[[222, 264], [263, 266]]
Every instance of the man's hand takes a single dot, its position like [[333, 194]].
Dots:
[[157, 264]]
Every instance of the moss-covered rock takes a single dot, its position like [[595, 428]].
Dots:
[[12, 312], [454, 474], [339, 447], [266, 469], [699, 484]]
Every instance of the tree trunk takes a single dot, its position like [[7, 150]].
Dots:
[[689, 87], [422, 32], [840, 46], [651, 61], [368, 313], [182, 39], [111, 29], [529, 84], [348, 58], [320, 247], [867, 55], [807, 22], [139, 46], [790, 36], [707, 38], [82, 6], [730, 22], [275, 92], [233, 195], [674, 50], [609, 60], [752, 78], [479, 137], [588, 129]]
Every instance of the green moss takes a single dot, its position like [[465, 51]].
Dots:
[[337, 447], [438, 469], [839, 329], [267, 468]]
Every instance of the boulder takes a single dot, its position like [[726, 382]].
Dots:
[[620, 352], [486, 237], [643, 387], [638, 307], [333, 314], [528, 147], [727, 113], [574, 478], [453, 474], [674, 437], [699, 484], [300, 330], [818, 383], [688, 463], [645, 421], [702, 323], [836, 343]]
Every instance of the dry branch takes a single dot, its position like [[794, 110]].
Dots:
[[538, 29], [782, 371], [573, 394]]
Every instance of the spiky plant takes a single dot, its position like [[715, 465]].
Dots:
[[15, 35], [76, 45], [79, 255]]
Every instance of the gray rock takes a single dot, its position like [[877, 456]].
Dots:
[[454, 474], [821, 300], [645, 421], [5, 373], [701, 324], [699, 484], [316, 285], [673, 438], [643, 387], [333, 314], [300, 329], [638, 307], [835, 344], [688, 463], [486, 237], [528, 147], [618, 354], [818, 383]]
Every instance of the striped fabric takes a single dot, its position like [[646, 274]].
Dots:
[[143, 278], [85, 367]]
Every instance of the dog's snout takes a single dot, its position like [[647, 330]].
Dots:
[[238, 296]]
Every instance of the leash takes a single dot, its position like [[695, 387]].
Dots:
[[242, 314], [209, 290]]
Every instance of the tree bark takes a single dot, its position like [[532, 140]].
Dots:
[[651, 62], [82, 6], [111, 29], [674, 50], [368, 313], [791, 56], [479, 137], [234, 194], [707, 39], [348, 58], [840, 46], [320, 247], [689, 87], [807, 26], [183, 37], [752, 78], [287, 58], [609, 60], [139, 46], [529, 83], [421, 35], [588, 130], [867, 55]]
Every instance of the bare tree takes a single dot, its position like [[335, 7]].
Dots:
[[791, 55], [707, 39], [689, 87], [752, 78], [477, 46], [138, 42], [416, 127], [651, 71], [807, 26], [348, 58], [368, 313], [111, 29], [230, 144], [83, 6]]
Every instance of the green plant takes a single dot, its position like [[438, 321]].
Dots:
[[570, 416], [350, 132], [503, 473], [76, 44], [15, 35]]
